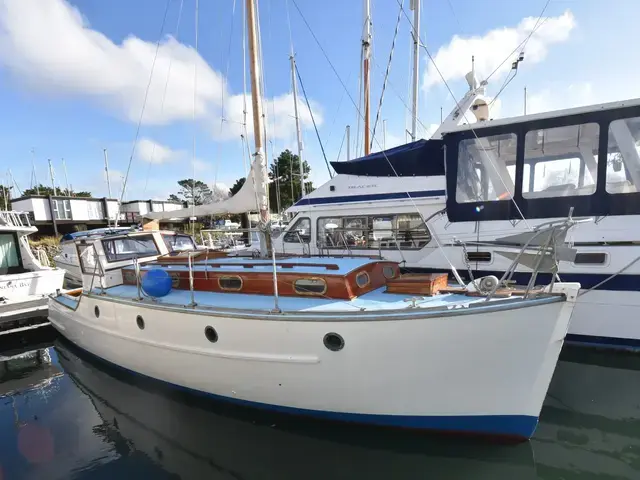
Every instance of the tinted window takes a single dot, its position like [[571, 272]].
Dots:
[[9, 255], [590, 258], [623, 156], [126, 248], [300, 232], [178, 243]]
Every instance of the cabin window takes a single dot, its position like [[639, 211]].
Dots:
[[623, 156], [590, 258], [9, 254], [389, 272], [479, 257], [300, 232], [230, 283], [406, 231], [310, 286], [362, 279], [483, 173], [87, 256], [178, 243], [563, 161], [127, 248], [62, 209]]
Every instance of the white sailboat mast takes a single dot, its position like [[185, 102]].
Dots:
[[366, 55], [294, 85], [258, 119], [415, 6]]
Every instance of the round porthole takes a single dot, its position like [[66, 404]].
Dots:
[[96, 311], [140, 322], [362, 279], [388, 272], [333, 342], [211, 334]]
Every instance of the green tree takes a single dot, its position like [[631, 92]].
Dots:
[[235, 188], [47, 190], [284, 174], [193, 192], [5, 197]]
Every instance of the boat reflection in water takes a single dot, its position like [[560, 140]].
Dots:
[[97, 422]]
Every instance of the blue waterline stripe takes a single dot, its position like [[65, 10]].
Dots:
[[370, 197], [603, 342], [513, 426], [623, 282]]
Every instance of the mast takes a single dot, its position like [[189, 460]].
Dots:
[[258, 120], [53, 182], [33, 170], [366, 55], [415, 6], [348, 142], [66, 179], [294, 84], [106, 170]]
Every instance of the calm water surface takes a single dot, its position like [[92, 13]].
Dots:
[[63, 415]]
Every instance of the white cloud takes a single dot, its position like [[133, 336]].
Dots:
[[199, 165], [575, 95], [151, 151], [454, 59], [49, 47]]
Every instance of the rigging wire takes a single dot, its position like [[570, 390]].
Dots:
[[144, 104], [304, 92], [195, 131], [386, 74], [344, 135], [522, 44], [164, 96]]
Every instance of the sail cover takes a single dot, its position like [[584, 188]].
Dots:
[[244, 201], [420, 158]]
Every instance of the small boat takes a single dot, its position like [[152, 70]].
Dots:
[[164, 242], [25, 282]]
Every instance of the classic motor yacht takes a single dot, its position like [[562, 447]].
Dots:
[[25, 282], [503, 177]]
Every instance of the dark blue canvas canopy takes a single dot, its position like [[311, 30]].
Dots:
[[420, 158]]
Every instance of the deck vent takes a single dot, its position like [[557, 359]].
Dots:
[[479, 257], [333, 341], [140, 322], [211, 334]]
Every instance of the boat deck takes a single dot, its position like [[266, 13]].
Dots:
[[372, 301]]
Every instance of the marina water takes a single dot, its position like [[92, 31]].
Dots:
[[66, 415]]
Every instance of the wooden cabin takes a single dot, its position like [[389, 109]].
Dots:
[[343, 278]]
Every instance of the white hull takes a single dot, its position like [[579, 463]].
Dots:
[[607, 316], [25, 295], [485, 372]]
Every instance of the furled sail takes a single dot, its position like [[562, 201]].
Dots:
[[244, 201]]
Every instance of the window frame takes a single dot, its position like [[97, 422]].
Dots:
[[315, 294], [106, 255], [234, 277], [16, 243], [291, 230]]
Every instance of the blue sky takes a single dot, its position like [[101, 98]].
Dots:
[[73, 74]]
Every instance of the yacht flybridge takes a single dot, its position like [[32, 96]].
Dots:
[[503, 177], [25, 282]]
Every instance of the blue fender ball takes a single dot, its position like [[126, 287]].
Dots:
[[156, 282]]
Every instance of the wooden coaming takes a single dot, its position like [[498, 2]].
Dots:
[[427, 284], [261, 283]]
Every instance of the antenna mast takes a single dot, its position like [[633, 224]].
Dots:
[[53, 181], [415, 6], [66, 179], [366, 55], [106, 170], [294, 84]]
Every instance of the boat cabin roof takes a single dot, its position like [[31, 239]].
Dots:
[[323, 265]]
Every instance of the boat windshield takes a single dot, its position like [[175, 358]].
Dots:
[[9, 256], [127, 248], [178, 243]]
